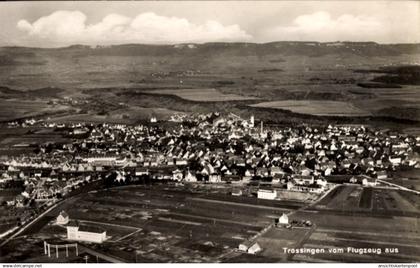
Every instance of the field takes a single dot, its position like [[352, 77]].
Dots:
[[12, 109], [164, 223], [352, 216], [201, 94], [357, 200], [315, 107], [126, 115], [17, 141], [212, 77], [409, 178]]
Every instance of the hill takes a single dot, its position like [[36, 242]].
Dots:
[[380, 79]]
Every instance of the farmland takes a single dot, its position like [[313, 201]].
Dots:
[[178, 225], [12, 109], [164, 223], [203, 94], [377, 218], [295, 79], [315, 107], [357, 200], [16, 141]]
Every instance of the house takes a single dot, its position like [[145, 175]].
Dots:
[[368, 181], [321, 182], [86, 233], [181, 162], [381, 175], [395, 160], [267, 194], [141, 171], [353, 180], [236, 192], [215, 178], [284, 219], [244, 246], [62, 218], [303, 180], [19, 201], [190, 177], [254, 249], [276, 171], [177, 175]]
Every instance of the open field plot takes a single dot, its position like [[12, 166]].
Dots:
[[276, 239], [413, 199], [201, 94], [393, 200], [127, 115], [315, 107], [343, 197], [14, 109], [12, 138], [342, 230], [405, 247], [409, 178], [363, 221], [366, 198], [357, 200], [163, 224], [31, 250]]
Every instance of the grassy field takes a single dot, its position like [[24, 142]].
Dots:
[[12, 109], [324, 81], [163, 223], [201, 94], [315, 107], [17, 141], [357, 200], [173, 224]]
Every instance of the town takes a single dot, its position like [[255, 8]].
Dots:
[[288, 163]]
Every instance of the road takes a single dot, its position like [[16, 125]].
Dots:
[[38, 218], [91, 186], [399, 186]]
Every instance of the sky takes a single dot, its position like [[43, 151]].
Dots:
[[55, 24]]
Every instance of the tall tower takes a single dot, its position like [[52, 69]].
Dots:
[[262, 127], [251, 121]]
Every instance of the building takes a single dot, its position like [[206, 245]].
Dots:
[[252, 121], [368, 181], [177, 175], [254, 249], [86, 233], [215, 178], [236, 192], [267, 194], [190, 177], [101, 160], [284, 219], [141, 171], [381, 175], [303, 180], [62, 218]]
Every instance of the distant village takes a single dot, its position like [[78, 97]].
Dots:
[[203, 149]]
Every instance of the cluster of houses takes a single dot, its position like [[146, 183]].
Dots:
[[211, 148]]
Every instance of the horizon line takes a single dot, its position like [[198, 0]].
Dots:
[[204, 43]]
